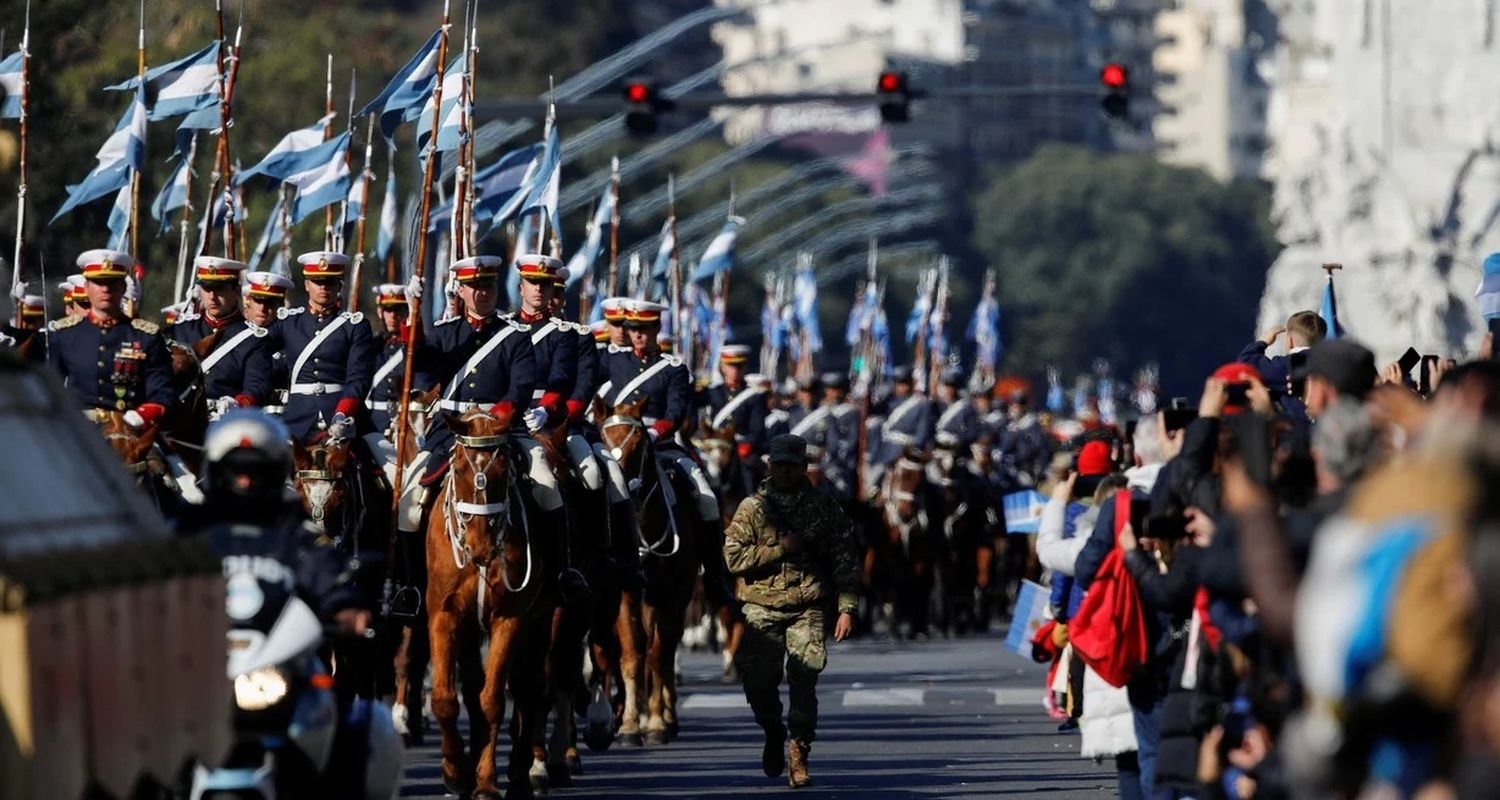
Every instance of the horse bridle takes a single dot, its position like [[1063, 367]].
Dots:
[[458, 513], [648, 460], [894, 496], [319, 483]]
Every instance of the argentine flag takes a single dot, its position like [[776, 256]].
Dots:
[[174, 195], [297, 152], [186, 85], [123, 151], [324, 181], [805, 304], [10, 83], [1023, 511], [1488, 293], [270, 236], [403, 98], [719, 257], [453, 95], [119, 220], [545, 182], [583, 261], [387, 236], [355, 203], [500, 185]]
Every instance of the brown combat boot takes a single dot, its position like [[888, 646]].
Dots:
[[796, 754]]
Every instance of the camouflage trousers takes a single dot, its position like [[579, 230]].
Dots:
[[783, 640]]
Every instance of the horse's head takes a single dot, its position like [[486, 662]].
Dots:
[[187, 363], [476, 507], [322, 478], [131, 446], [624, 436], [421, 410], [904, 488], [718, 448]]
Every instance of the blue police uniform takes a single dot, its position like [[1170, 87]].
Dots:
[[239, 363], [329, 361], [586, 385], [384, 398], [119, 365]]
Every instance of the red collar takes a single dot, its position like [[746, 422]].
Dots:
[[106, 322], [477, 323], [529, 318], [215, 324]]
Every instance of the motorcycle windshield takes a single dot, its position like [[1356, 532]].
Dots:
[[295, 631]]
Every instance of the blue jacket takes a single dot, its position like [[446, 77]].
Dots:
[[246, 369], [554, 344], [748, 415], [118, 367], [345, 358], [668, 392]]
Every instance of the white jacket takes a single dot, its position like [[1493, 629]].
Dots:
[[1052, 550], [1107, 725]]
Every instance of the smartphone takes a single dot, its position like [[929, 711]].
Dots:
[[1252, 434], [1408, 360], [1238, 395], [1424, 375]]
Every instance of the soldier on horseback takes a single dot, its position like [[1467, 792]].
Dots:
[[664, 383], [31, 315], [484, 361], [391, 304], [907, 423], [957, 421], [264, 295], [740, 402], [237, 369], [330, 352], [108, 361]]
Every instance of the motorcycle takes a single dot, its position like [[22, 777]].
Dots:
[[286, 715]]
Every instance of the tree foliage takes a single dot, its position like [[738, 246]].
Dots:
[[1122, 257]]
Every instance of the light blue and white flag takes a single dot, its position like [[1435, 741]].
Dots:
[[189, 84], [270, 236], [587, 256], [921, 308], [1329, 311], [403, 98], [1023, 511], [119, 220], [1488, 293], [355, 203], [299, 151], [545, 182], [805, 304], [174, 195], [448, 137], [388, 211], [10, 83], [123, 151], [984, 329], [325, 182], [719, 257]]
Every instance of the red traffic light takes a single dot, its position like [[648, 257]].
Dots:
[[637, 93], [891, 82], [1113, 76]]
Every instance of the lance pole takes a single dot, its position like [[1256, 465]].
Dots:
[[610, 286], [414, 322], [135, 174], [17, 286], [365, 178]]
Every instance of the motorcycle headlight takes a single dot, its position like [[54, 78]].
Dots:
[[259, 689]]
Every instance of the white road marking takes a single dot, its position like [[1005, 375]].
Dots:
[[1018, 697], [714, 700], [884, 697]]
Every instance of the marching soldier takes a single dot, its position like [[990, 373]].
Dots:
[[330, 352], [614, 320], [26, 337], [392, 306], [237, 370], [75, 299], [264, 296], [907, 423], [109, 362], [664, 382], [791, 547]]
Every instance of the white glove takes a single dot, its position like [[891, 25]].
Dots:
[[341, 427], [134, 419], [653, 434], [223, 404], [535, 418], [414, 291]]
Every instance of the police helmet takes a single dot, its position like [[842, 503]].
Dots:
[[246, 440]]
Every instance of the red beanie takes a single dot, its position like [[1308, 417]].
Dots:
[[1094, 460]]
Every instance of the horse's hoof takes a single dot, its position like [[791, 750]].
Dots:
[[628, 740], [559, 776], [655, 738]]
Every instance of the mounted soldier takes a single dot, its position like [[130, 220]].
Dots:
[[330, 352], [907, 423], [111, 363], [392, 305], [237, 368], [31, 316], [957, 421], [739, 401], [644, 373], [264, 295]]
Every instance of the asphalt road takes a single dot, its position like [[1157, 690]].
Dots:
[[950, 719]]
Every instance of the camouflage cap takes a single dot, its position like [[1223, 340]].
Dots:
[[788, 448]]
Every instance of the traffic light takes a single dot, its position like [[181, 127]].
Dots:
[[894, 97], [1116, 81], [642, 104]]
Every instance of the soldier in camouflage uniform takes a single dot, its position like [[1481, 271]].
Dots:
[[790, 544]]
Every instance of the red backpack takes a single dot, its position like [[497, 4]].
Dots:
[[1109, 630]]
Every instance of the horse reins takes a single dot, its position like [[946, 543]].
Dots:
[[458, 513], [637, 428]]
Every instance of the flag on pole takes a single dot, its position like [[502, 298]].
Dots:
[[119, 220], [1329, 311], [10, 83], [921, 308], [325, 182], [406, 94], [189, 84], [663, 263], [174, 194], [583, 261], [497, 191], [388, 212], [719, 257], [448, 119], [546, 181], [1488, 293], [297, 152], [123, 151], [354, 206], [271, 235], [805, 303], [984, 331]]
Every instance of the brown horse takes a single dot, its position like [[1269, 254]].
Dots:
[[485, 576], [730, 479], [669, 531], [899, 566]]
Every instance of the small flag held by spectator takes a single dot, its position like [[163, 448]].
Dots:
[[1023, 511]]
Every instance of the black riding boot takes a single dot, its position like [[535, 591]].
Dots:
[[625, 545], [572, 586]]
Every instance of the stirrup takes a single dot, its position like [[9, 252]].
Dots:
[[572, 587], [406, 604]]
